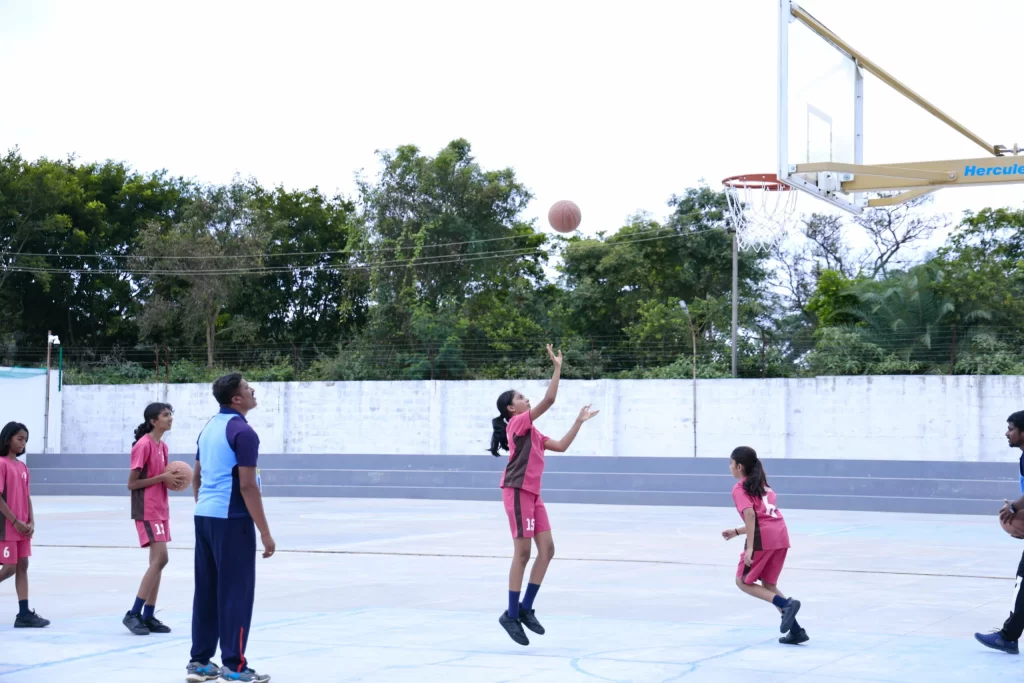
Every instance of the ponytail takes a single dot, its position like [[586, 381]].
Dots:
[[499, 437], [143, 429], [499, 425], [151, 413], [756, 481]]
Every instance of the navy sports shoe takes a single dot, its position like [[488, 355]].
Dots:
[[995, 641]]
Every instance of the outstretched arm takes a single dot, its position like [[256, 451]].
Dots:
[[552, 392], [560, 445]]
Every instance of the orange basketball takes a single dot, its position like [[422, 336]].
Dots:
[[564, 216], [1015, 527], [179, 466]]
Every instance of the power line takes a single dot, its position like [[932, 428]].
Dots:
[[287, 253], [266, 270]]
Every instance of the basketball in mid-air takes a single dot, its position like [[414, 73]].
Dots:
[[564, 216]]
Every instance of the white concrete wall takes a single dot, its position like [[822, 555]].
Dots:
[[23, 399], [885, 418]]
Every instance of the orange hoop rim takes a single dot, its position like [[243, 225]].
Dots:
[[768, 182]]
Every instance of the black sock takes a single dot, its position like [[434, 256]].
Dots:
[[780, 601], [147, 611], [23, 608], [137, 607], [796, 627]]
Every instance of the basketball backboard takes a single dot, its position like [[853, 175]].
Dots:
[[821, 110], [821, 125]]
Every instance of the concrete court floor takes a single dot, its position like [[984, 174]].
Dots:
[[410, 591]]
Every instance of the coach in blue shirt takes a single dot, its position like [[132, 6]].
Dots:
[[229, 509]]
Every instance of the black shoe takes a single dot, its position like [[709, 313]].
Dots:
[[514, 628], [528, 618], [789, 615], [156, 626], [134, 623], [795, 637], [30, 620]]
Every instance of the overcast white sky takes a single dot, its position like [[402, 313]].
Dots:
[[615, 109]]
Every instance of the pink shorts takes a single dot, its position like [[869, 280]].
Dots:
[[767, 566], [527, 515], [153, 532], [12, 551]]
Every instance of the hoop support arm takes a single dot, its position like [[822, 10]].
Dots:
[[869, 66], [900, 198], [932, 174]]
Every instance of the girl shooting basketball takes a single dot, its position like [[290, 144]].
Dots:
[[148, 481], [767, 541], [514, 431]]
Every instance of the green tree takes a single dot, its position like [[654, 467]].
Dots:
[[689, 258], [310, 294], [195, 265], [438, 232], [983, 266]]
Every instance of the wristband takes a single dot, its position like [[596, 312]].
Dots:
[[1013, 510], [737, 531]]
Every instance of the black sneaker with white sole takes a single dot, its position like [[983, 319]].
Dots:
[[514, 628], [133, 622], [789, 615], [528, 618], [795, 637], [156, 626], [30, 620]]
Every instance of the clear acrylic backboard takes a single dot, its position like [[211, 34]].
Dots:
[[821, 104]]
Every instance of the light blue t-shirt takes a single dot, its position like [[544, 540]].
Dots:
[[226, 442]]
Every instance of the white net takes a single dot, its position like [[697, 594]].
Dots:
[[761, 208]]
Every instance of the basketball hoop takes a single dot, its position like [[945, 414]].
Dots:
[[760, 205]]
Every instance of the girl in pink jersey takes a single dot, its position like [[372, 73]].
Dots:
[[19, 525], [514, 431], [767, 541], [148, 481]]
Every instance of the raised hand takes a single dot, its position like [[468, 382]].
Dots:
[[586, 413], [557, 360]]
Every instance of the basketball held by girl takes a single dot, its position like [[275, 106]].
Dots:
[[767, 541], [514, 430]]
